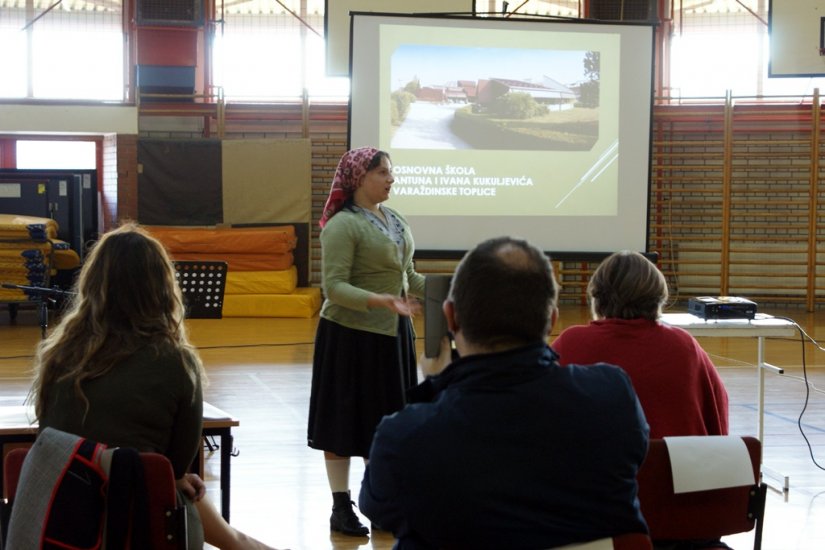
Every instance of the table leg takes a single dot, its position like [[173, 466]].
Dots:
[[226, 455], [760, 385], [762, 366], [226, 445]]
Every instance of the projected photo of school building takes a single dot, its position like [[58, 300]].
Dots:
[[494, 98]]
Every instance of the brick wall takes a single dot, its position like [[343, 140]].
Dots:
[[734, 199]]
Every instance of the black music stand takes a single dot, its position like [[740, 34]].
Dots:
[[202, 285], [43, 296]]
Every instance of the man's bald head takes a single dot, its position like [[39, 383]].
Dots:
[[503, 292]]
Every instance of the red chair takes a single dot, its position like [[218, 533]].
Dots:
[[11, 471], [628, 541], [167, 520], [632, 541], [702, 514]]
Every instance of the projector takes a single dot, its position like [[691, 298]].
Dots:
[[723, 307]]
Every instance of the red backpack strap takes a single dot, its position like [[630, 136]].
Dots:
[[75, 512]]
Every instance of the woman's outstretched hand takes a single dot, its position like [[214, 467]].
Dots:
[[399, 304]]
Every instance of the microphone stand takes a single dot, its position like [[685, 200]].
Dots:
[[43, 296]]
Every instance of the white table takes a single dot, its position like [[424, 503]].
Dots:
[[18, 425], [761, 327]]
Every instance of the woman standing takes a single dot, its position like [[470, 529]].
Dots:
[[119, 370], [364, 349]]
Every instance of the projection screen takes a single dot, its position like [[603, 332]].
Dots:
[[531, 128]]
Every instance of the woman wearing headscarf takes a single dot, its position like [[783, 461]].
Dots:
[[364, 358]]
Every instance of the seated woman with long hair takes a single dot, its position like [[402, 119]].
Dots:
[[119, 369]]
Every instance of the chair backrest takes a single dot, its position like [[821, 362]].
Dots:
[[167, 519], [702, 514], [628, 541], [632, 541], [12, 463], [11, 471]]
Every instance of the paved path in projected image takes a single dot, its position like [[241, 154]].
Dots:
[[427, 126]]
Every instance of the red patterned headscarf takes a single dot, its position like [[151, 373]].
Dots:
[[351, 170]]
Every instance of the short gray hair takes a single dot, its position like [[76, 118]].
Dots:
[[627, 286]]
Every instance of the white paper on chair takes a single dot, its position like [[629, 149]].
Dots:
[[701, 463]]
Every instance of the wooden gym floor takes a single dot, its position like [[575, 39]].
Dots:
[[259, 371]]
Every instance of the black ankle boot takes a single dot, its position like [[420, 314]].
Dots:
[[343, 518]]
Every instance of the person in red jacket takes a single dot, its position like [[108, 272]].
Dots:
[[679, 389]]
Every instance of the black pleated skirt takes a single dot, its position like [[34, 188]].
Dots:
[[357, 378]]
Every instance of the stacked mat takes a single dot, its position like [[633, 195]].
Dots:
[[262, 279], [30, 254]]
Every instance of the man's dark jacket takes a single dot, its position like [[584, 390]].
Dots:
[[509, 450]]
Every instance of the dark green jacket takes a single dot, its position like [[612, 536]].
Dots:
[[148, 402]]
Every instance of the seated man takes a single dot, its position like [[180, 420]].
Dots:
[[504, 448]]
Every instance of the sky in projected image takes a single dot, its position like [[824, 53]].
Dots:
[[439, 65]]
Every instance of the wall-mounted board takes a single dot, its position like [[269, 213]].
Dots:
[[337, 23], [797, 38]]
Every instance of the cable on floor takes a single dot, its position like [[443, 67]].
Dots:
[[802, 337]]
